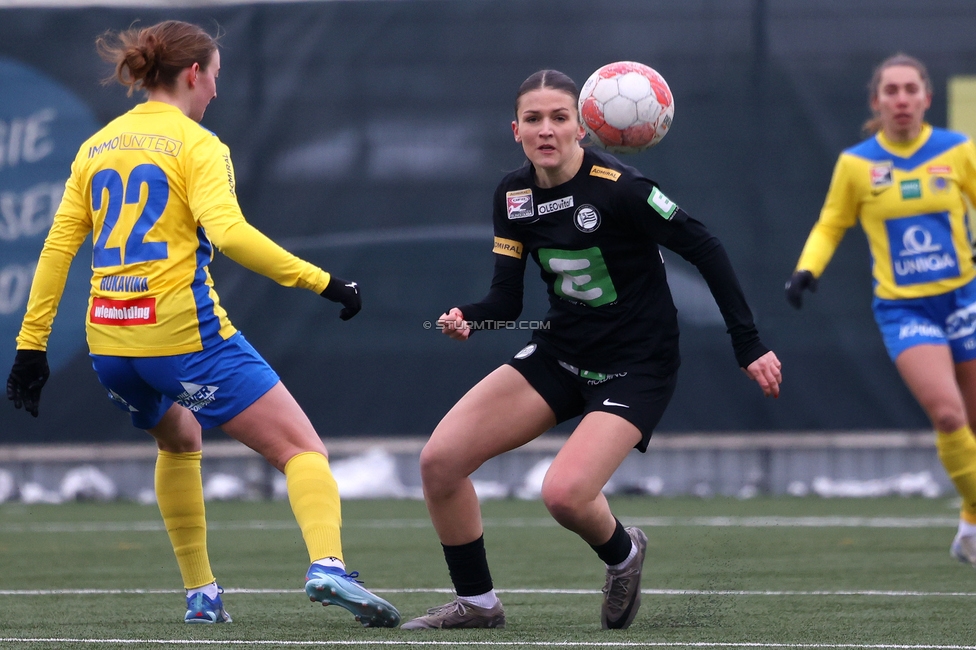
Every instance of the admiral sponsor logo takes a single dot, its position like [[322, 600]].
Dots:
[[603, 172], [124, 283], [105, 311], [230, 175], [508, 247], [554, 206], [148, 142], [519, 204], [939, 169], [881, 175], [194, 396], [911, 189], [662, 204], [587, 218]]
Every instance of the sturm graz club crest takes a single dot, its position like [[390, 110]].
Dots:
[[587, 218]]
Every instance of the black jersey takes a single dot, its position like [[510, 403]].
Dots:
[[595, 239]]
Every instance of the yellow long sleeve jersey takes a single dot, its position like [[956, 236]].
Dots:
[[909, 200], [157, 192]]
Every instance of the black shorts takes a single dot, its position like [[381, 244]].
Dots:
[[638, 395]]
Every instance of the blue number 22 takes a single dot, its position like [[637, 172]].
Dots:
[[157, 195]]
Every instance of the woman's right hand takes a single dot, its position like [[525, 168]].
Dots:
[[453, 325]]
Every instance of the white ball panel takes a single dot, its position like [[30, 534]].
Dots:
[[648, 110], [620, 112], [634, 85], [605, 90]]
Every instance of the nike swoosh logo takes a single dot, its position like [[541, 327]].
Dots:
[[877, 192], [614, 625], [607, 402]]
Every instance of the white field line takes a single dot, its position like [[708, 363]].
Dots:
[[489, 644], [518, 522], [558, 592]]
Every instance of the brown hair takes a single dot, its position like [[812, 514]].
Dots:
[[153, 57], [547, 79], [873, 125]]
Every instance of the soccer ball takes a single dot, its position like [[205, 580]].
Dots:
[[626, 107]]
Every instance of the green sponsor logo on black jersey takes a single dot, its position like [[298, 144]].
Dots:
[[582, 276], [662, 204]]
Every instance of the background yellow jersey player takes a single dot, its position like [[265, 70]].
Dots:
[[909, 198], [908, 185], [156, 192]]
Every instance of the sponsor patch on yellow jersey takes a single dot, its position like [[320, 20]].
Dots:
[[508, 247], [603, 172], [150, 142]]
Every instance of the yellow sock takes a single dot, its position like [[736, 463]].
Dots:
[[957, 451], [179, 493], [314, 498]]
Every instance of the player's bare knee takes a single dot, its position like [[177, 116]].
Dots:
[[948, 419], [561, 500], [438, 469], [949, 423]]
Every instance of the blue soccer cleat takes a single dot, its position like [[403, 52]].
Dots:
[[201, 609], [333, 586]]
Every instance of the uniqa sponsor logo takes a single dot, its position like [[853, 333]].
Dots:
[[924, 264]]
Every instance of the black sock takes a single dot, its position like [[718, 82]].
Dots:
[[617, 548], [468, 566]]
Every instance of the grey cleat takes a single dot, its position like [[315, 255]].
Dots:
[[621, 593], [964, 549], [457, 615]]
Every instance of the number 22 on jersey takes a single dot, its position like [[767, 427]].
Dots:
[[108, 188]]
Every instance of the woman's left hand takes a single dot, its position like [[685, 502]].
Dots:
[[767, 372]]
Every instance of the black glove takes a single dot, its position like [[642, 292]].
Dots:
[[27, 378], [799, 281], [347, 293]]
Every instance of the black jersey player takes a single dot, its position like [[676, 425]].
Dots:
[[607, 349]]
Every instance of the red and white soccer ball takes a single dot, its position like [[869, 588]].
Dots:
[[626, 107]]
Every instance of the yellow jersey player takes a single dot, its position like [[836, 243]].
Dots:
[[156, 192], [907, 185]]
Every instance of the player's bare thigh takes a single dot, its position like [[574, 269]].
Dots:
[[500, 413], [276, 427]]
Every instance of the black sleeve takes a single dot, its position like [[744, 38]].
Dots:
[[692, 241], [504, 299]]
